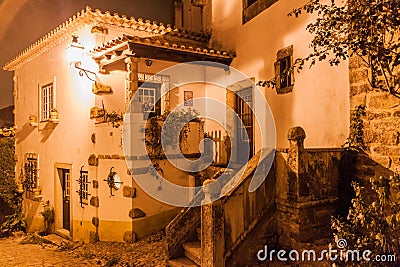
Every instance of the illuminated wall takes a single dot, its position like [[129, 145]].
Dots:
[[70, 143], [320, 99]]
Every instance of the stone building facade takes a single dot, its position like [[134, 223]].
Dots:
[[67, 151]]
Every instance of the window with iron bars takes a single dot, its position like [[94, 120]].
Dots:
[[83, 191], [283, 70], [31, 173]]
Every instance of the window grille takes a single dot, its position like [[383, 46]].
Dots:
[[31, 174], [83, 191]]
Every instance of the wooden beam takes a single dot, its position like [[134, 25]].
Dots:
[[168, 54]]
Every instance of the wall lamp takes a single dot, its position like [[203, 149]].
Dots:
[[113, 180], [75, 55], [148, 62]]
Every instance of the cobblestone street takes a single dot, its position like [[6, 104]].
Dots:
[[14, 254], [146, 252]]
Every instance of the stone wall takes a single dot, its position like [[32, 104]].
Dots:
[[381, 122], [292, 209], [307, 193]]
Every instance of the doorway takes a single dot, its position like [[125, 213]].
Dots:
[[245, 131], [66, 198]]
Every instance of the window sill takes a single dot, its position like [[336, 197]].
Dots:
[[34, 194], [284, 90], [101, 123], [256, 8], [55, 121]]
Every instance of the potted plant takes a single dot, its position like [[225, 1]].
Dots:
[[37, 192], [53, 114], [33, 121]]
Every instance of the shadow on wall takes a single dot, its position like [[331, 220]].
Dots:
[[30, 209], [47, 131], [25, 131], [257, 56], [360, 167]]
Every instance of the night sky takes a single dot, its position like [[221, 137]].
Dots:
[[22, 22]]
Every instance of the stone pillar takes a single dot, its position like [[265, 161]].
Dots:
[[212, 234], [304, 215], [132, 82], [297, 184], [192, 185], [178, 13], [230, 120]]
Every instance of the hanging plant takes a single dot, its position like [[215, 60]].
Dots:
[[155, 126], [114, 118], [177, 123]]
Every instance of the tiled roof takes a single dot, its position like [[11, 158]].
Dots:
[[110, 44], [161, 42], [89, 16]]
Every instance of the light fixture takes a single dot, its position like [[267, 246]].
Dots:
[[75, 55], [148, 62], [113, 180]]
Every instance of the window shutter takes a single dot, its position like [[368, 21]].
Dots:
[[157, 107], [292, 73], [277, 66]]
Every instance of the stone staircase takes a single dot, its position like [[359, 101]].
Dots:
[[291, 208], [192, 253], [185, 235], [191, 248]]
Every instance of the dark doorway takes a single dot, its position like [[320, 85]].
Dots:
[[244, 100], [66, 194]]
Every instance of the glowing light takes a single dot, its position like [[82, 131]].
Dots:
[[74, 51]]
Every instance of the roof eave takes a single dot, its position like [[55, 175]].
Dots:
[[175, 55]]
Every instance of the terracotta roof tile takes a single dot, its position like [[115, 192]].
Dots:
[[158, 42], [89, 16]]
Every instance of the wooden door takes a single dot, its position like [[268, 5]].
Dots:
[[245, 131], [66, 194]]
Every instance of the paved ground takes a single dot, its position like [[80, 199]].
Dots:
[[14, 254], [149, 251]]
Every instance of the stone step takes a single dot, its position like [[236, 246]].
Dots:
[[58, 241], [181, 262], [193, 251], [63, 233]]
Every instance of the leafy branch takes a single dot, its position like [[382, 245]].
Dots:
[[373, 221], [367, 29], [356, 138]]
